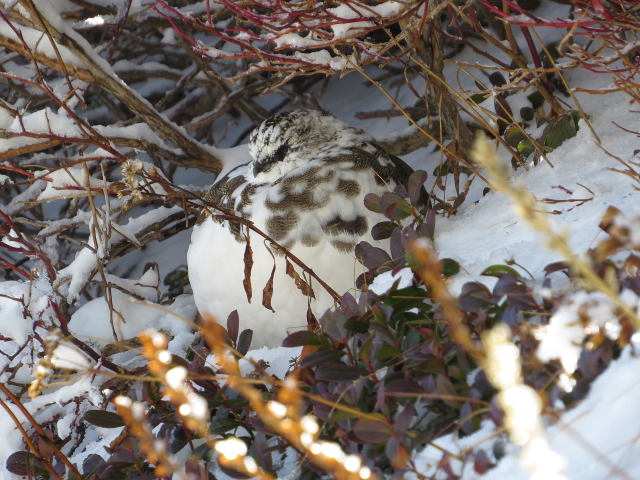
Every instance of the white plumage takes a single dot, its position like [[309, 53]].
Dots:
[[305, 188]]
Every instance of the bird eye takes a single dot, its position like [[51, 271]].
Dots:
[[277, 156]]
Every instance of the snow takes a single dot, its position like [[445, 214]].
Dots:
[[69, 181], [130, 315], [384, 281], [491, 224], [37, 41], [323, 57], [563, 337], [44, 121], [11, 294], [279, 360], [293, 40], [351, 11], [86, 261], [598, 438], [6, 117]]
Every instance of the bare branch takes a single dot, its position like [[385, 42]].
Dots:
[[103, 76]]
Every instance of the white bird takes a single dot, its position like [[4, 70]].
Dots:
[[305, 189]]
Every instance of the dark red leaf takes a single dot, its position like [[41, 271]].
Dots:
[[402, 386], [427, 228], [556, 267], [338, 372], [300, 339], [445, 388], [402, 420], [321, 356], [233, 325], [474, 297], [466, 425], [481, 462], [382, 230], [396, 245], [497, 79], [370, 256], [92, 463], [370, 431], [372, 202], [415, 186], [104, 419], [24, 464], [244, 342]]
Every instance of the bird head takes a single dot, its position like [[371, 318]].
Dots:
[[287, 140]]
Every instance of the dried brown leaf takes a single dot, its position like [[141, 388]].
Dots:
[[267, 291], [248, 265], [302, 285]]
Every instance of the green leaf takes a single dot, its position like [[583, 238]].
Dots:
[[536, 99], [394, 207], [339, 415], [478, 98], [356, 326], [388, 351], [513, 135], [405, 298], [499, 270], [442, 170], [558, 131], [525, 147], [449, 267], [223, 425]]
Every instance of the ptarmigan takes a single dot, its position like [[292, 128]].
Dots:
[[305, 188]]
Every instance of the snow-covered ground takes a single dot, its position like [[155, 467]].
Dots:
[[598, 438]]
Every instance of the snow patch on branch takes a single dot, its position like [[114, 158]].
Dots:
[[80, 270], [37, 41], [351, 11]]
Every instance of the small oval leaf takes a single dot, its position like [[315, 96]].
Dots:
[[370, 256], [382, 230], [233, 325], [499, 271], [337, 372], [415, 185], [244, 342], [372, 202], [24, 463], [104, 419], [301, 339], [370, 431], [449, 267], [321, 356]]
